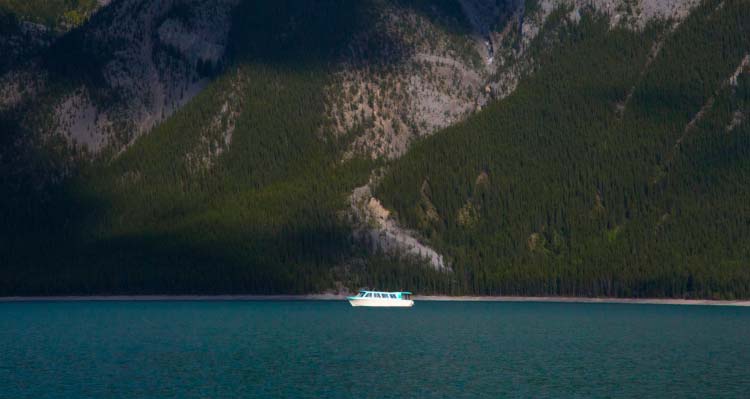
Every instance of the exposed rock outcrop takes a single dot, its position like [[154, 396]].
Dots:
[[433, 78], [376, 228], [148, 60], [216, 138]]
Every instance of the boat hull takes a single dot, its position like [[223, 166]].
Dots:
[[381, 303]]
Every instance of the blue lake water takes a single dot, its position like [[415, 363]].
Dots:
[[329, 349]]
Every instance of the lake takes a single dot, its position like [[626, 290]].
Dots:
[[300, 349]]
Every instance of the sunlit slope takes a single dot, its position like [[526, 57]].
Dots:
[[600, 175]]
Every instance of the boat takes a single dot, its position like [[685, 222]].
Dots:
[[382, 299]]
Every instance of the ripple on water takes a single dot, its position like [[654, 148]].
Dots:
[[329, 349]]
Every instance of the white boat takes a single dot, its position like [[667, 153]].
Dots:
[[382, 299]]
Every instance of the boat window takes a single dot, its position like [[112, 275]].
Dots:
[[393, 296], [377, 295], [367, 295]]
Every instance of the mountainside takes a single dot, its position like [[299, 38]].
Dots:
[[57, 15], [473, 146], [129, 67], [611, 172]]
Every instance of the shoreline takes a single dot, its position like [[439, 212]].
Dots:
[[334, 297]]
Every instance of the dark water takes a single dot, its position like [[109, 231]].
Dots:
[[328, 349]]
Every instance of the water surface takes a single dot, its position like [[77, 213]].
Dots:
[[329, 349]]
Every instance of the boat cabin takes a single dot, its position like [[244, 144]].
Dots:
[[384, 295]]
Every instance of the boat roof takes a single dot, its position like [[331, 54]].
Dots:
[[387, 292]]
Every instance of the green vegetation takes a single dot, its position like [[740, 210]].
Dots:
[[183, 212], [261, 218], [589, 180], [53, 13], [573, 196]]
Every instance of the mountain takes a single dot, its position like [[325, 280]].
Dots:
[[56, 15], [543, 147]]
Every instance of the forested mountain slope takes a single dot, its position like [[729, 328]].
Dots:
[[610, 172], [579, 148]]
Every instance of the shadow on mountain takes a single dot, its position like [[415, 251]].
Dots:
[[77, 57], [178, 263], [57, 246], [300, 33], [288, 33]]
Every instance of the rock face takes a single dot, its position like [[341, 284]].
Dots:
[[20, 40], [415, 71], [633, 14], [147, 60], [433, 77], [380, 232], [216, 138]]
